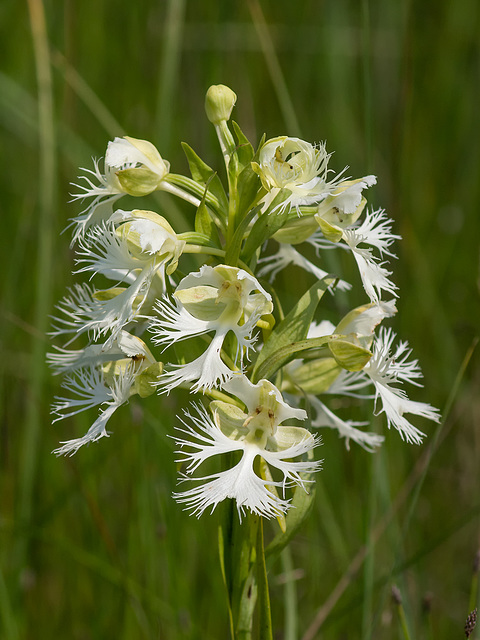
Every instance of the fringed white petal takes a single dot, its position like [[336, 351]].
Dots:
[[205, 439], [175, 323], [376, 231], [64, 360], [292, 470], [240, 483], [349, 383], [82, 312], [89, 396], [103, 251], [346, 428], [384, 370], [104, 194], [287, 255], [96, 431], [89, 389], [208, 370], [375, 278]]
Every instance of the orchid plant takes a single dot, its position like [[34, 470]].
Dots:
[[263, 377]]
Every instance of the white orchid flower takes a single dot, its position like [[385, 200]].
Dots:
[[296, 165], [131, 167], [136, 251], [263, 442], [374, 232], [325, 377], [104, 377], [215, 299]]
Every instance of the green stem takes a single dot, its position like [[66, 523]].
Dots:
[[43, 276], [176, 191], [403, 621], [264, 610], [290, 596], [211, 251]]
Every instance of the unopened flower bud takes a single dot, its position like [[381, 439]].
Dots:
[[219, 103]]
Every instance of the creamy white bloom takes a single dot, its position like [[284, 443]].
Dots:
[[256, 433], [131, 166], [345, 204], [374, 232], [134, 248], [85, 310], [325, 377], [214, 299], [296, 165]]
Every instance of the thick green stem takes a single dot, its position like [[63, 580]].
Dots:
[[264, 611]]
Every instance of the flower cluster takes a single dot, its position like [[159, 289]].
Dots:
[[256, 436]]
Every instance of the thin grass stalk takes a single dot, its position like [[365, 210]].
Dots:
[[367, 84], [274, 68], [289, 596], [369, 565], [397, 598], [169, 71], [7, 615], [264, 609], [86, 94], [43, 272], [473, 600]]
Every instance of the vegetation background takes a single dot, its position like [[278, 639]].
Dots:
[[93, 547]]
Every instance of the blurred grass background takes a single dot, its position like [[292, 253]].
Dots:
[[93, 547]]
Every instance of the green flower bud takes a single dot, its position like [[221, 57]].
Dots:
[[219, 103]]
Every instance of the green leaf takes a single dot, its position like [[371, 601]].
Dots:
[[204, 224], [317, 375], [194, 237], [294, 326], [267, 224], [203, 221], [282, 356], [244, 149], [204, 174], [249, 187]]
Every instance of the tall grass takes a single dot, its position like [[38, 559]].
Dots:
[[93, 546]]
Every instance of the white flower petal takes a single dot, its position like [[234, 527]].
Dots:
[[287, 255], [346, 428], [253, 396], [384, 371], [208, 370], [240, 483], [103, 251], [91, 391]]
